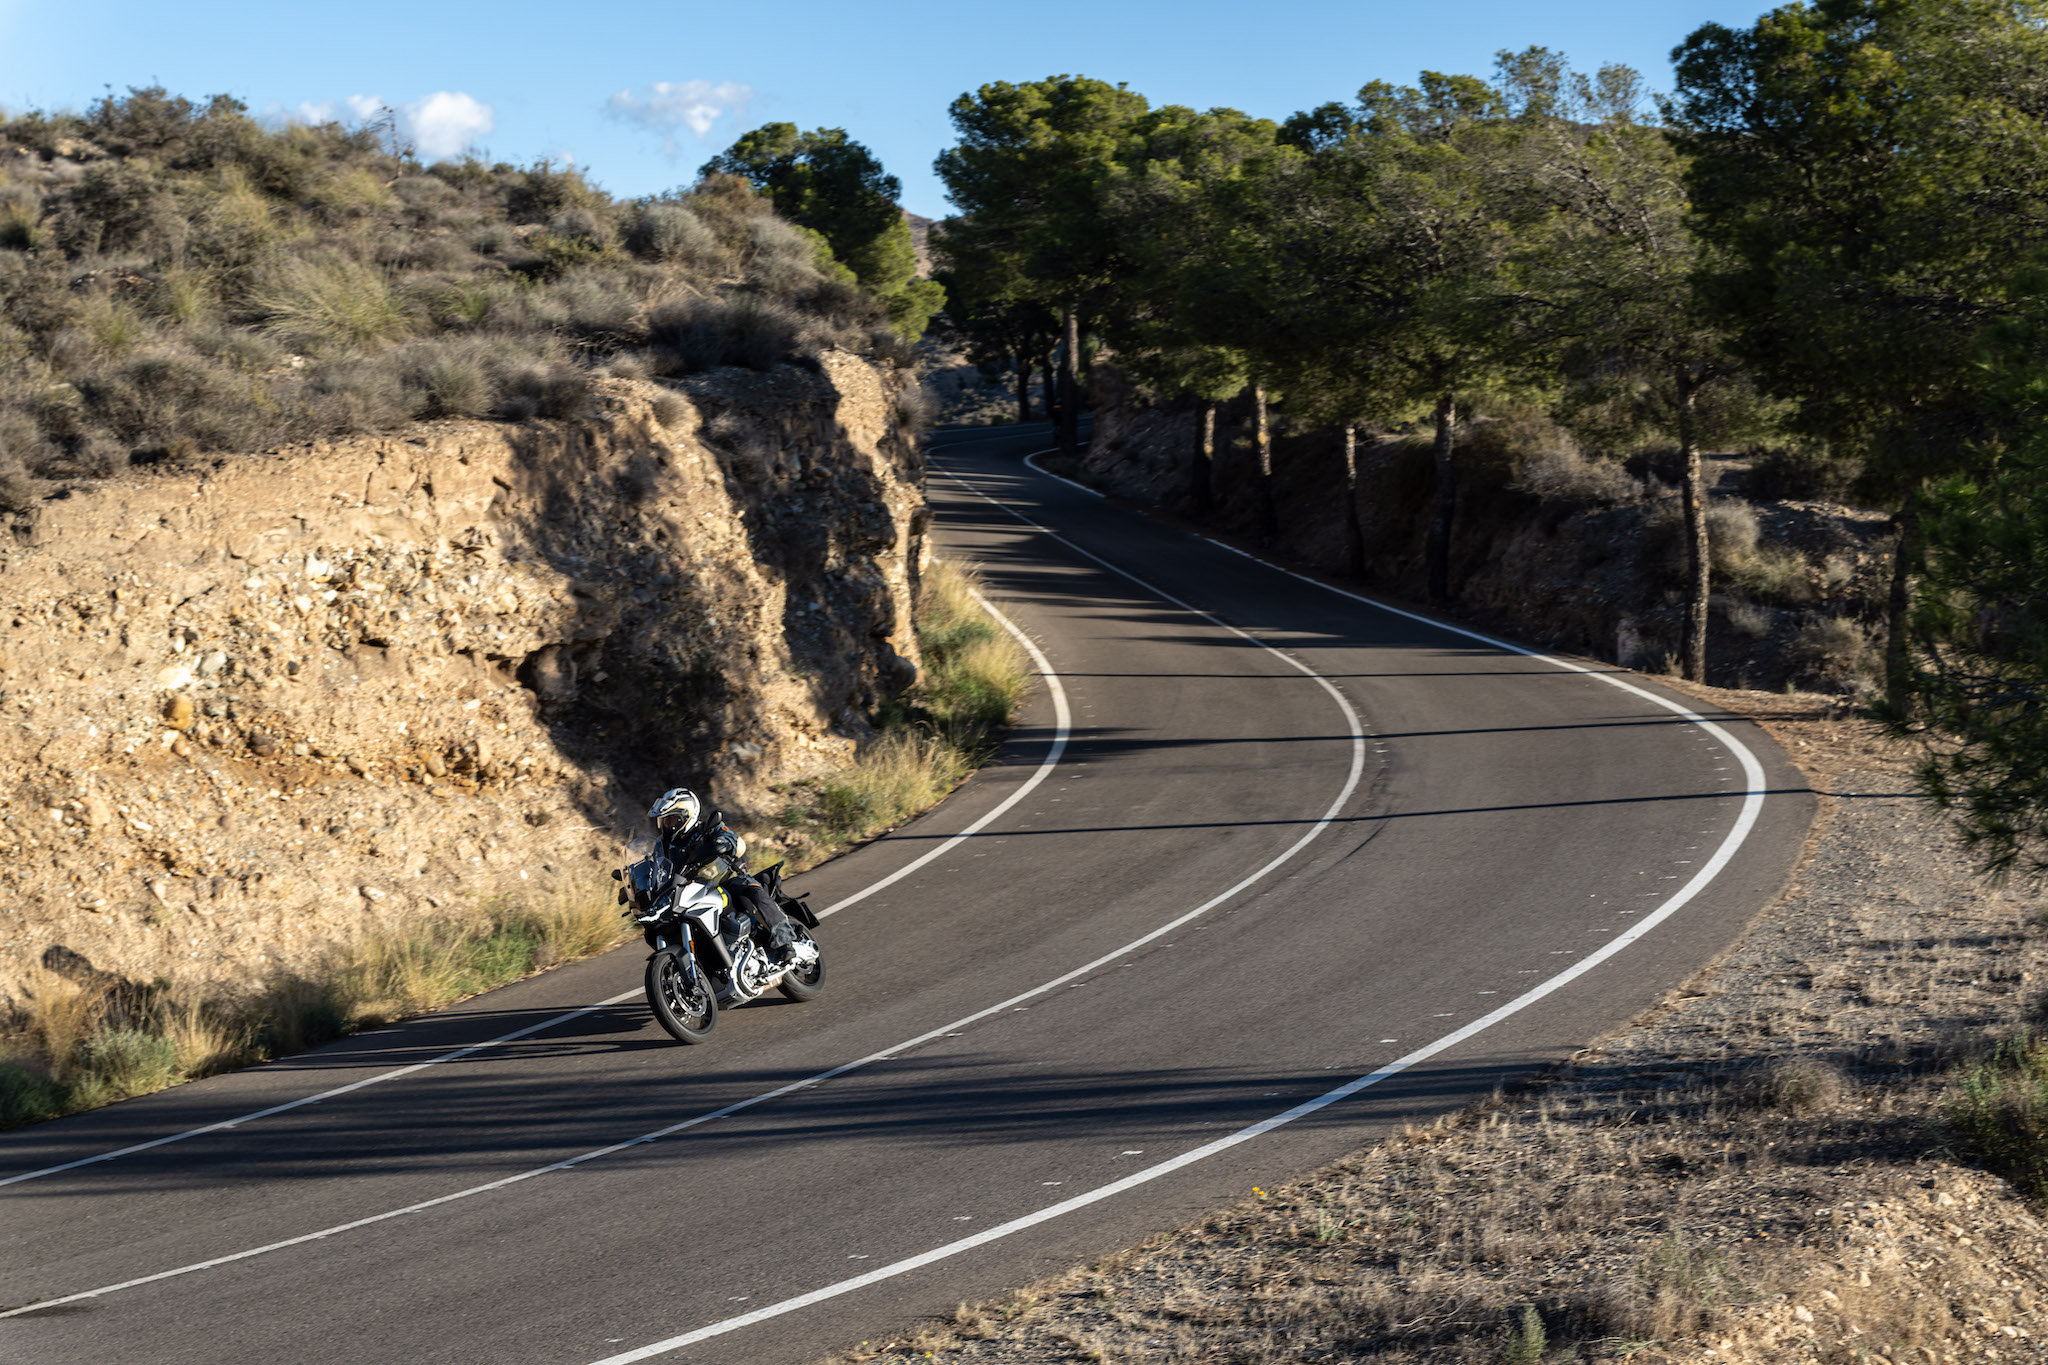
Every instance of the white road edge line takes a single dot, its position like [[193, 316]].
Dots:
[[1062, 728], [1357, 772], [1745, 821], [1063, 723], [304, 1100]]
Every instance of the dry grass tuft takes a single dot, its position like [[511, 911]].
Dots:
[[975, 674], [72, 1046]]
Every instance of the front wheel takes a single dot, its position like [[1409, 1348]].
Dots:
[[802, 985], [681, 999]]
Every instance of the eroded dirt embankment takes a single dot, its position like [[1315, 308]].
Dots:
[[245, 705]]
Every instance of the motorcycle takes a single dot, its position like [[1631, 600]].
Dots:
[[708, 954]]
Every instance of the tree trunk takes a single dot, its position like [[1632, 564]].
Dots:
[[1898, 657], [1202, 477], [1269, 520], [1438, 552], [1354, 525], [1023, 387], [1052, 398], [1070, 384], [1698, 552]]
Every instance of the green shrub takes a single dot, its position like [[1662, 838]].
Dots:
[[27, 1096], [1999, 1110], [129, 1061]]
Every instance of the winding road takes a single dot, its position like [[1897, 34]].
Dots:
[[1266, 872]]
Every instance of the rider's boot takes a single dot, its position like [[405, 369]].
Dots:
[[781, 940]]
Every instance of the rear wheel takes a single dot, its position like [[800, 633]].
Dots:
[[804, 984], [682, 1000]]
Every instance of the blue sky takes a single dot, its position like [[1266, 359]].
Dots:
[[639, 94]]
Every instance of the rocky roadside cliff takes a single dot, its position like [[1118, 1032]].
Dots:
[[247, 703], [1553, 548]]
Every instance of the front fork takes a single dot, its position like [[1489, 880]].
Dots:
[[658, 937]]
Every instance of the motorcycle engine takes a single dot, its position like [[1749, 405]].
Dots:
[[751, 969]]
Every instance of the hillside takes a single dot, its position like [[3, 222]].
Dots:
[[179, 282], [384, 536]]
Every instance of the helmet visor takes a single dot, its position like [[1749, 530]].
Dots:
[[671, 821]]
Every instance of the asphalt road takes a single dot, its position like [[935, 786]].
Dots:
[[1271, 871]]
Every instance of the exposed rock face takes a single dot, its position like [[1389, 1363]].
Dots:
[[248, 704]]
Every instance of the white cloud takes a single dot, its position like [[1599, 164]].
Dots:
[[671, 106], [445, 122], [359, 108], [438, 125]]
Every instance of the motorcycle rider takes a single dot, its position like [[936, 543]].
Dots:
[[692, 834]]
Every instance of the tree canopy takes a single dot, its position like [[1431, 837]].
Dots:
[[825, 181]]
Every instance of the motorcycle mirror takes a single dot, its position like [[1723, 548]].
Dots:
[[622, 895], [618, 875]]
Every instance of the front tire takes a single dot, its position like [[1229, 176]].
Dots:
[[682, 1000], [802, 986]]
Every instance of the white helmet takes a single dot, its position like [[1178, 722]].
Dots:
[[676, 811]]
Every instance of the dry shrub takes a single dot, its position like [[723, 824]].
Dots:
[[916, 407], [1836, 654], [1557, 471], [703, 333], [671, 233], [975, 672], [1732, 535], [1745, 617], [1802, 1085], [897, 776], [668, 409], [331, 305], [21, 212], [146, 298], [454, 377]]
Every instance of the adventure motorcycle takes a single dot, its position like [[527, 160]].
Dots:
[[708, 954]]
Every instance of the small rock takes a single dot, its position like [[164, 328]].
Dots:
[[173, 678], [302, 749], [212, 664], [371, 893], [264, 746], [182, 747], [1942, 1199], [1802, 1312], [435, 766], [179, 711], [357, 766]]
